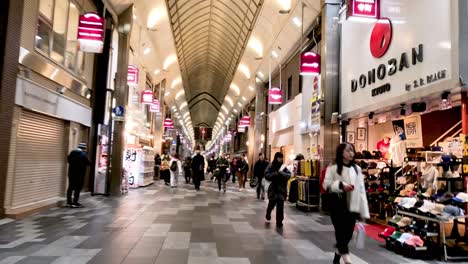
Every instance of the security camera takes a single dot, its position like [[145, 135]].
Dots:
[[61, 90]]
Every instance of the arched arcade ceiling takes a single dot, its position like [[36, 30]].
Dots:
[[210, 38]]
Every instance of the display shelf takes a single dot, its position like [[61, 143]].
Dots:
[[441, 222]]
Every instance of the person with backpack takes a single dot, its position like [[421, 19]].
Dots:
[[345, 184], [164, 169], [176, 170], [188, 169], [259, 173], [278, 174]]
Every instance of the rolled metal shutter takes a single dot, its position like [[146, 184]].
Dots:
[[40, 159]]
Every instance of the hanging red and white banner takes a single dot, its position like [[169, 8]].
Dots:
[[168, 123], [275, 96], [310, 63], [244, 122], [155, 107], [91, 32], [132, 75], [147, 97], [364, 8]]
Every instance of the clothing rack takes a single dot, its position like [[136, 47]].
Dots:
[[309, 193]]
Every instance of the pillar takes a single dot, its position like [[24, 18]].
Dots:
[[260, 114], [10, 34], [330, 50], [121, 97], [158, 119], [251, 139]]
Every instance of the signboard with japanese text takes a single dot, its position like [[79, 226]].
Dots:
[[132, 75], [147, 97], [275, 96], [310, 63]]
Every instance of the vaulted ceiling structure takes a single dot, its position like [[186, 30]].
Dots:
[[210, 38]]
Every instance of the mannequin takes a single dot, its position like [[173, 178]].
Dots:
[[397, 150], [446, 162], [429, 176], [384, 146]]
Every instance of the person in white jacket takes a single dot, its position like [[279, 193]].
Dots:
[[345, 183], [175, 167]]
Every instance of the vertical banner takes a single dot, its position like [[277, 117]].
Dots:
[[315, 105]]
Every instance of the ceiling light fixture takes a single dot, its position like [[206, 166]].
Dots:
[[147, 51], [245, 70], [167, 94], [169, 61], [285, 6], [183, 105], [235, 88], [274, 54], [297, 21], [251, 88], [176, 82], [257, 46], [229, 100], [179, 94], [157, 71]]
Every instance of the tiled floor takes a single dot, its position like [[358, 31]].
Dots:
[[174, 226]]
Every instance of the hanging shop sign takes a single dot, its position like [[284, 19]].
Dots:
[[168, 123], [396, 57], [244, 122], [132, 75], [363, 8], [310, 63], [91, 28], [147, 97], [275, 96], [241, 129], [155, 107]]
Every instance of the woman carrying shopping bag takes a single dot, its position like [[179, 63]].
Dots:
[[345, 184]]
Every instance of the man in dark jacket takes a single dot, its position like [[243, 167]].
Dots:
[[278, 175], [198, 169], [222, 164], [259, 173], [78, 162]]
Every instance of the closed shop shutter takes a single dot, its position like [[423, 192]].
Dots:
[[40, 160]]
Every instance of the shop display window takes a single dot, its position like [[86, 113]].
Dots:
[[56, 35]]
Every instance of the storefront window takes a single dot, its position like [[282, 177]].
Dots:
[[57, 33], [72, 42], [43, 36]]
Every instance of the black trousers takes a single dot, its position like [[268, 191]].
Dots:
[[75, 184], [260, 188], [343, 222], [222, 179], [188, 175], [279, 204]]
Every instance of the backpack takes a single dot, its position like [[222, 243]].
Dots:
[[174, 166]]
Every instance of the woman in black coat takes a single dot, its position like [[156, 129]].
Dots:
[[278, 175]]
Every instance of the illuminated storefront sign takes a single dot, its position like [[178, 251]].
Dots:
[[91, 33], [132, 75], [244, 122], [275, 96], [147, 97], [155, 107], [310, 63], [364, 8]]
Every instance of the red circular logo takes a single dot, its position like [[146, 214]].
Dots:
[[381, 37]]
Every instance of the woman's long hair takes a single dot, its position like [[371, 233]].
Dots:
[[275, 163], [339, 157]]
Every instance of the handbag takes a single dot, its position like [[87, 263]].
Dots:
[[360, 235], [253, 182]]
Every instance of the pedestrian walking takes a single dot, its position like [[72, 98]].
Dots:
[[188, 169], [259, 173], [157, 166], [198, 169], [164, 169], [242, 169], [345, 184], [211, 167], [222, 164], [78, 162], [176, 170], [233, 169], [278, 175]]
